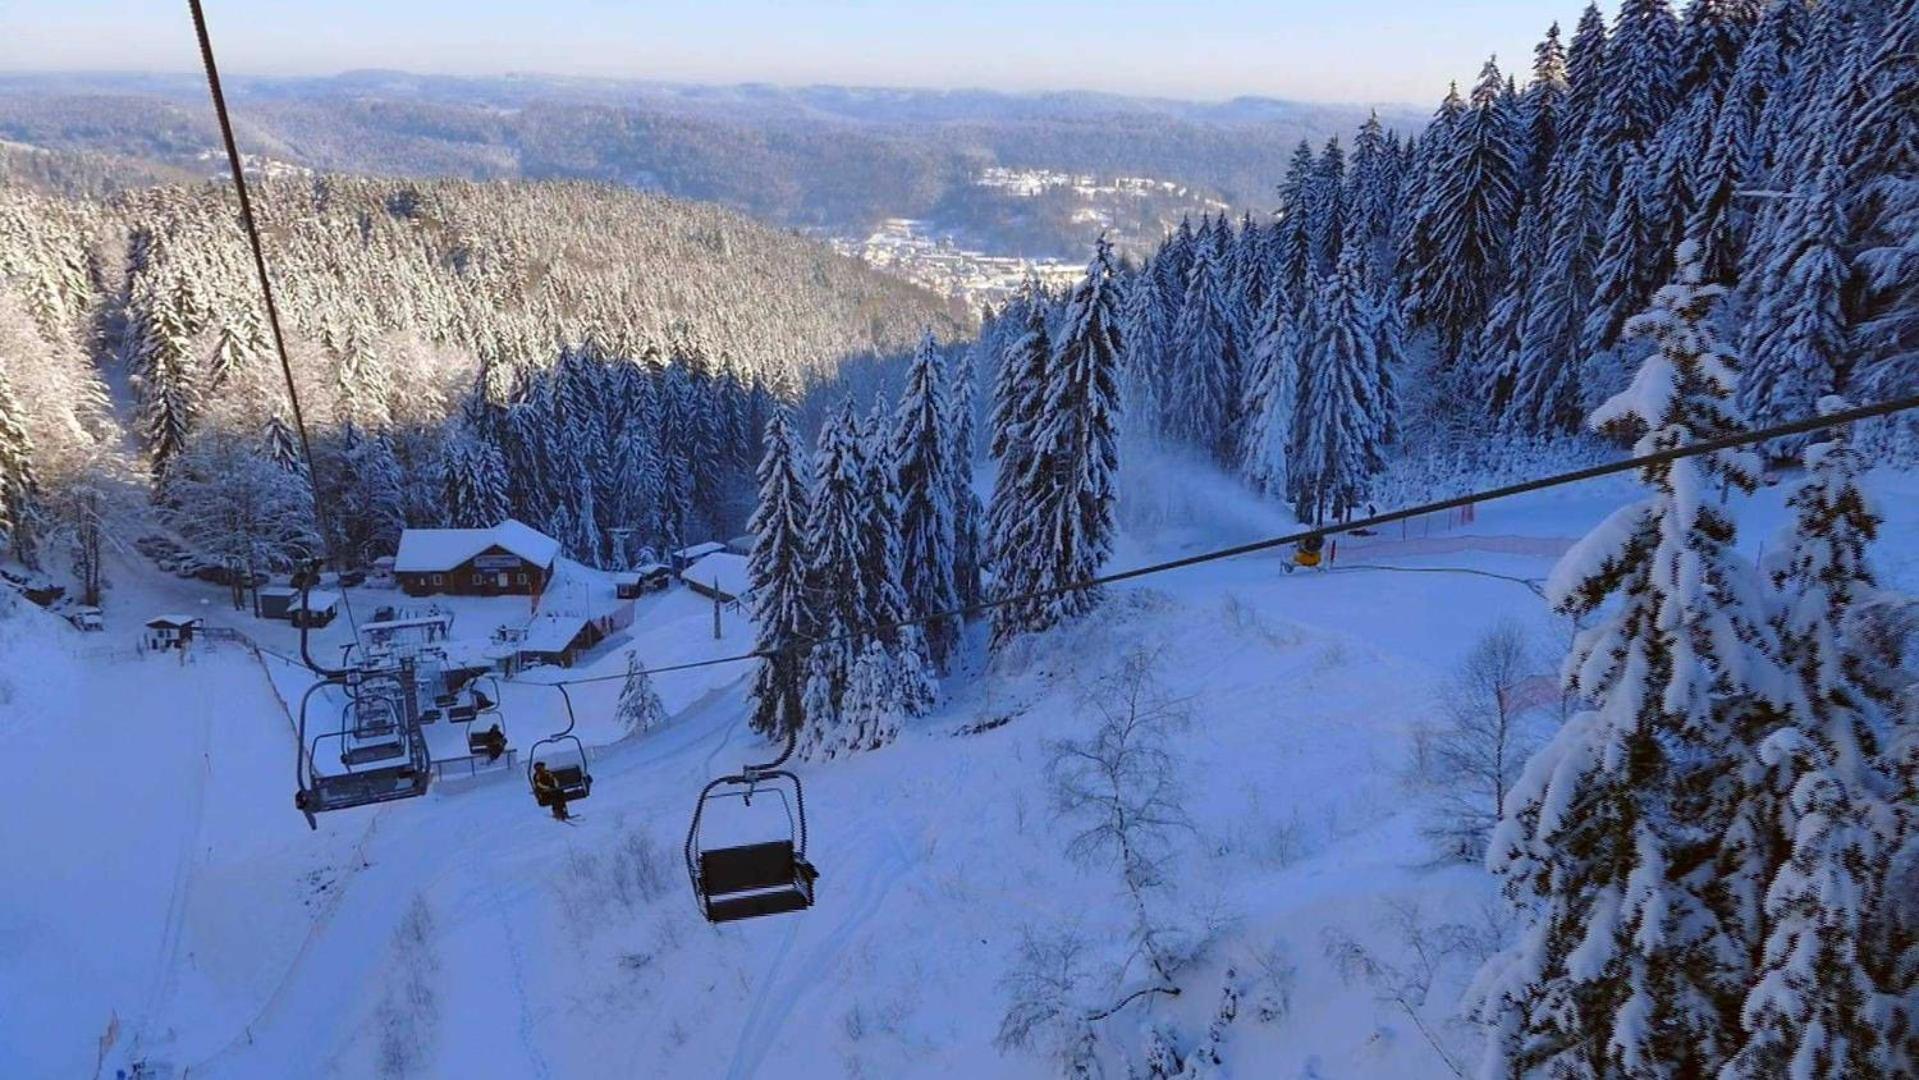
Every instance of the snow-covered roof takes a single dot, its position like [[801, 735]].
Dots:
[[443, 549], [318, 600], [279, 590], [696, 551], [725, 568], [173, 621], [443, 618], [651, 568], [551, 633]]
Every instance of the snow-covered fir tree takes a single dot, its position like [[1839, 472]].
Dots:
[[834, 547], [1019, 395], [1632, 958], [783, 616], [1336, 435], [923, 472], [1468, 220], [1796, 350], [20, 507], [1271, 403], [1827, 998], [969, 514], [639, 709], [1066, 491], [1205, 404]]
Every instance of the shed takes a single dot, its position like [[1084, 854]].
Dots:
[[653, 577], [557, 639], [721, 575], [318, 608], [511, 558], [276, 601], [171, 631], [695, 552]]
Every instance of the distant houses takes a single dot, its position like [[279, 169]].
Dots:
[[509, 559]]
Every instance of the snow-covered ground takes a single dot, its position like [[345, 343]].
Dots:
[[166, 903]]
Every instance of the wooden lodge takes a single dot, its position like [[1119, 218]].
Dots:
[[509, 559]]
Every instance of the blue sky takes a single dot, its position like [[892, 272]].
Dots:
[[1317, 50]]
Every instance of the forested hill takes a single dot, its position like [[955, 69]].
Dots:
[[833, 158], [410, 308]]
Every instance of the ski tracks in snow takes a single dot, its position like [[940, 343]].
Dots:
[[166, 968], [516, 964], [781, 992]]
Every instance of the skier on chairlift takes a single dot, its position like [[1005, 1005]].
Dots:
[[493, 742], [548, 786]]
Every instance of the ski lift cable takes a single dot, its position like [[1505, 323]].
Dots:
[[1734, 441], [266, 293]]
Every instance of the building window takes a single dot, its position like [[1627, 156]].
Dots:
[[439, 579], [520, 578], [479, 579]]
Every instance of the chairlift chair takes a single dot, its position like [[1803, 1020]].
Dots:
[[381, 753], [480, 712], [748, 878], [757, 871], [566, 762]]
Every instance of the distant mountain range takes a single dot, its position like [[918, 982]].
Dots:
[[824, 158]]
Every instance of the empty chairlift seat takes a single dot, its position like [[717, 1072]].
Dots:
[[746, 851]]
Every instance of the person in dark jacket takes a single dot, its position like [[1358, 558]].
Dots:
[[493, 743], [547, 787]]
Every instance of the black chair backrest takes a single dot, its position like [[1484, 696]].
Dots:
[[750, 866]]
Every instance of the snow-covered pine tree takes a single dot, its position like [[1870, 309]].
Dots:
[[1454, 275], [1639, 86], [367, 494], [162, 368], [21, 512], [640, 709], [1632, 962], [923, 474], [1826, 999], [1071, 481], [475, 473], [1623, 273], [834, 546], [1019, 396], [1326, 207], [1272, 396], [1585, 77], [1878, 147], [1428, 161], [1796, 349], [783, 615], [1143, 366], [1542, 111], [1336, 436], [282, 446], [1205, 404], [1547, 389], [1371, 208], [969, 515], [1293, 252], [1497, 348]]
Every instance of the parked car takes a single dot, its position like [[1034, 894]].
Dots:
[[352, 578], [86, 619]]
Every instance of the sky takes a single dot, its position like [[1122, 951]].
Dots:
[[1308, 50]]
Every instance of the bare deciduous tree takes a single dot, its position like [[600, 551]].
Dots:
[[1121, 786], [1486, 730]]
